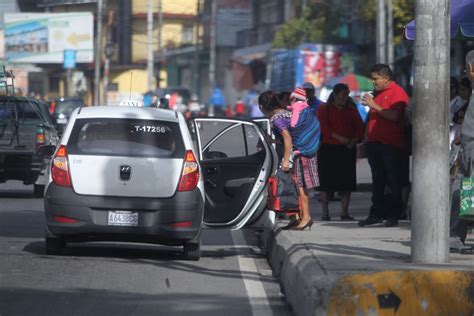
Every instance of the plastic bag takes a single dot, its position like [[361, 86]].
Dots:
[[466, 210]]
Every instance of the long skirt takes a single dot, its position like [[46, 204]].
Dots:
[[337, 168], [306, 171]]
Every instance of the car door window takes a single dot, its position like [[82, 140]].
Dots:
[[235, 140], [236, 161], [253, 142]]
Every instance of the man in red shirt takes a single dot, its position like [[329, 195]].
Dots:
[[385, 144]]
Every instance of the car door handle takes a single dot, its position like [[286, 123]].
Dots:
[[213, 170]]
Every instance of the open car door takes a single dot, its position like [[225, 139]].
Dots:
[[237, 159]]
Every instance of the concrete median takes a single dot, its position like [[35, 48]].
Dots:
[[317, 283], [339, 268]]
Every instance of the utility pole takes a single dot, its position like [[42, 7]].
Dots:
[[212, 50], [98, 55], [380, 31], [68, 82], [150, 45], [108, 54], [430, 215], [160, 29], [196, 49], [390, 58]]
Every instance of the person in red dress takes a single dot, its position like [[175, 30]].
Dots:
[[341, 129]]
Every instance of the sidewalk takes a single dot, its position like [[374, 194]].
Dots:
[[339, 268]]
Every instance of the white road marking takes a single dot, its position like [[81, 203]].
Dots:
[[254, 287]]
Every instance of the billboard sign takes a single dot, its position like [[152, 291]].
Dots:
[[43, 37]]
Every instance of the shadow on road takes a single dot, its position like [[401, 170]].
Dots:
[[16, 190], [82, 301], [108, 250], [160, 256], [16, 195]]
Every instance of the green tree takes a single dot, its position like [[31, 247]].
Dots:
[[325, 22], [403, 12], [312, 26]]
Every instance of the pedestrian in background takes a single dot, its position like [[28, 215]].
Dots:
[[458, 226], [312, 100], [341, 129], [459, 109], [385, 145], [240, 109], [455, 101], [304, 169]]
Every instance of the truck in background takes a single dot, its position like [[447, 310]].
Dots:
[[25, 125], [308, 62]]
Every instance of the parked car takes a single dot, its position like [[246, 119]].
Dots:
[[62, 108], [133, 174]]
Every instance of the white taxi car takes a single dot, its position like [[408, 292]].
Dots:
[[132, 174]]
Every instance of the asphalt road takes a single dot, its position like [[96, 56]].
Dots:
[[232, 277]]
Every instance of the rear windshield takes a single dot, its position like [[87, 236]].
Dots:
[[21, 110], [126, 137], [66, 107]]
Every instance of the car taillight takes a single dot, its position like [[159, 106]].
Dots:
[[190, 175], [59, 169], [62, 219], [40, 137]]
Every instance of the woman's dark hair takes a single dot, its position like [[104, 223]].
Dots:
[[284, 98], [382, 70], [268, 101], [335, 91]]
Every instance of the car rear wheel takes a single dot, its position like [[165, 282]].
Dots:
[[192, 250], [38, 190], [54, 246]]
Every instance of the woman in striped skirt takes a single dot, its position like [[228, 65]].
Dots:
[[305, 169]]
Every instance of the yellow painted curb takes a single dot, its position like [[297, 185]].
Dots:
[[404, 293]]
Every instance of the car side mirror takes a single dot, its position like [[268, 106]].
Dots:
[[46, 151]]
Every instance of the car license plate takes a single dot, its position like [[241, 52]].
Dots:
[[61, 121], [122, 218]]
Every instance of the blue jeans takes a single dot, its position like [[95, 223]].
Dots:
[[386, 165]]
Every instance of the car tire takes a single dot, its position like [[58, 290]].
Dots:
[[38, 190], [192, 250], [54, 246]]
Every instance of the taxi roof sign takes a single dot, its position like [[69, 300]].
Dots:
[[133, 103]]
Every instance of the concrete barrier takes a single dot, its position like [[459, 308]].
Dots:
[[314, 288]]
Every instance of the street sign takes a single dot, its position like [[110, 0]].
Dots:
[[2, 78], [69, 59]]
